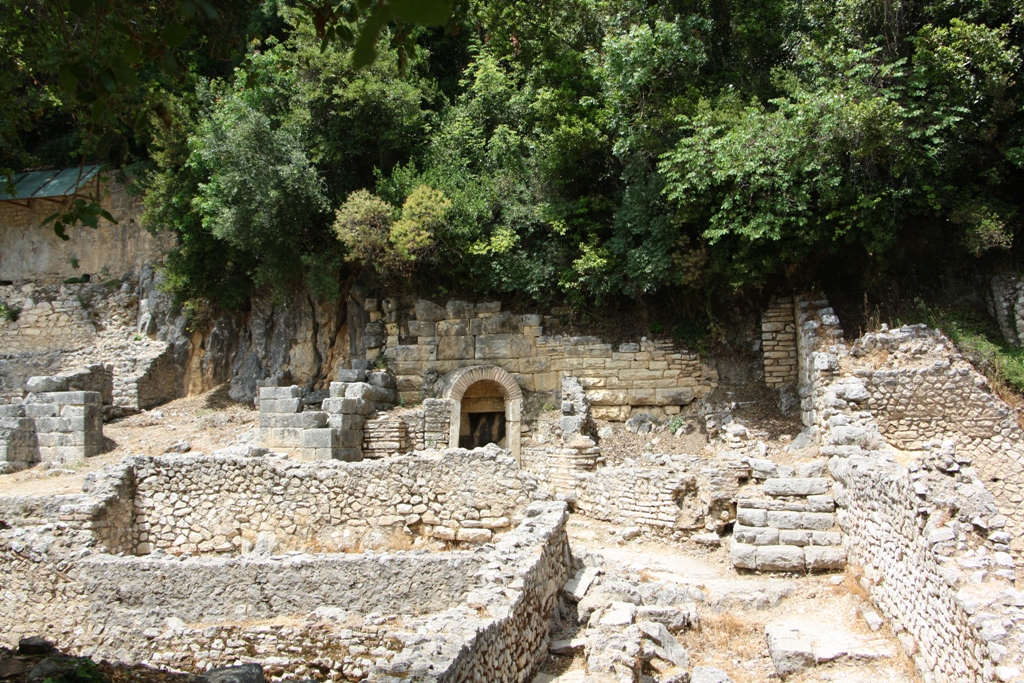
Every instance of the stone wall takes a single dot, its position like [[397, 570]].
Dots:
[[923, 391], [207, 504], [451, 616], [425, 341], [778, 343], [63, 328], [31, 251], [925, 535], [668, 494]]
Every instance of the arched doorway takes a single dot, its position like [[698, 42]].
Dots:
[[487, 408]]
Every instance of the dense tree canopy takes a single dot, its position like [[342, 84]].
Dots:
[[557, 150]]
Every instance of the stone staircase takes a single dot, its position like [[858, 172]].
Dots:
[[788, 523]]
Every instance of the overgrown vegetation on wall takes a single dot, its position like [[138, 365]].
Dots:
[[582, 151]]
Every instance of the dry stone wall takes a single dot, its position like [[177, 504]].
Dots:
[[925, 535], [452, 616], [60, 329], [223, 504], [922, 391], [778, 343]]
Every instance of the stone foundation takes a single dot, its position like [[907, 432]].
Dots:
[[463, 615]]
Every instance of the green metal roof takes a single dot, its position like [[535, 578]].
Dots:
[[53, 183]]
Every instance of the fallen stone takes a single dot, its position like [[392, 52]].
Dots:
[[666, 645], [673, 618], [618, 614], [577, 587], [246, 673], [790, 651], [872, 619], [708, 674], [567, 647], [708, 539], [34, 645]]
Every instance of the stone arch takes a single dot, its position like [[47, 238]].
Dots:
[[459, 383]]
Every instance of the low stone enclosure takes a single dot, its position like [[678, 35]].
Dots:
[[85, 570]]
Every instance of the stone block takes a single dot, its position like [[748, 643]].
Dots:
[[347, 406], [493, 346], [459, 309], [502, 323], [826, 538], [780, 558], [488, 307], [346, 375], [275, 393], [382, 379], [755, 535], [790, 651], [456, 348], [607, 397], [422, 328], [824, 558], [348, 439], [452, 328], [280, 405], [742, 555], [428, 311], [311, 419], [796, 486], [368, 392], [798, 537], [546, 381], [348, 454], [318, 438], [66, 397], [751, 517], [35, 410], [46, 384], [342, 421], [414, 353], [677, 396], [473, 535]]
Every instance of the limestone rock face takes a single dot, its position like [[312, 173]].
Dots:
[[298, 340]]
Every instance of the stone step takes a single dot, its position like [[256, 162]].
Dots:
[[786, 558], [822, 503], [783, 519], [766, 535], [796, 486]]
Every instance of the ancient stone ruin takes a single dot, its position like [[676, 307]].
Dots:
[[456, 500]]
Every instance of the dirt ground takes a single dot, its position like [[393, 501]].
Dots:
[[208, 422]]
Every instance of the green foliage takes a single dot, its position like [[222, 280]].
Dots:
[[978, 338], [390, 241], [85, 671], [565, 150], [9, 312]]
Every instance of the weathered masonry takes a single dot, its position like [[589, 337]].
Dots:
[[425, 342], [471, 613]]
